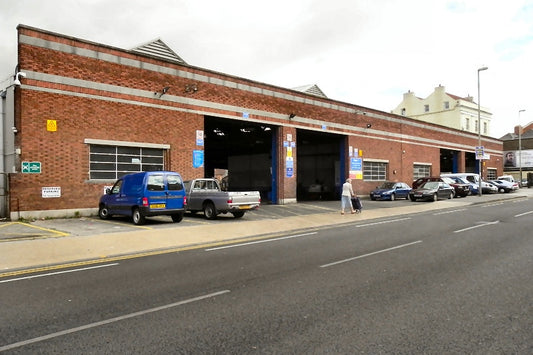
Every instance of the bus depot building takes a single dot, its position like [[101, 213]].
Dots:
[[76, 115]]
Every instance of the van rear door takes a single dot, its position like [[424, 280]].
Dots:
[[175, 192], [155, 194]]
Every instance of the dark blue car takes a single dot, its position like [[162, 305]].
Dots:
[[145, 194], [390, 191]]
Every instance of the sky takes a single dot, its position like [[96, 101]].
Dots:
[[362, 52]]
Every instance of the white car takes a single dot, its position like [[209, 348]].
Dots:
[[504, 185], [488, 188]]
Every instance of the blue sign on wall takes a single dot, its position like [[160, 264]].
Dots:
[[356, 164], [197, 158]]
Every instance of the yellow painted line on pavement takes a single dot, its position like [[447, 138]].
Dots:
[[122, 224], [54, 233]]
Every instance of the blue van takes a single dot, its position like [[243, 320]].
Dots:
[[138, 195]]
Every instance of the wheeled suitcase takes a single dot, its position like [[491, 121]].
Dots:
[[356, 203]]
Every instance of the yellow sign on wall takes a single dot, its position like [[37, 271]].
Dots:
[[51, 125]]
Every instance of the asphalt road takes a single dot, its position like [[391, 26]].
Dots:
[[446, 281]]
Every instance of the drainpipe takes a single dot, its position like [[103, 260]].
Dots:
[[3, 174]]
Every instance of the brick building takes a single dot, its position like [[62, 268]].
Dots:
[[84, 113]]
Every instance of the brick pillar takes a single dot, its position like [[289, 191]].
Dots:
[[286, 157], [461, 162]]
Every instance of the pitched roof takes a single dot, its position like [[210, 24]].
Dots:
[[312, 89], [158, 48]]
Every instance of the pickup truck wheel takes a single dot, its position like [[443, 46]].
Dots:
[[138, 218], [238, 214], [177, 217], [103, 212], [210, 211]]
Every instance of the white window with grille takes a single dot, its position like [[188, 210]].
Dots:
[[421, 170], [375, 170], [110, 160]]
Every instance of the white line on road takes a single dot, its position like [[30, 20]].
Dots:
[[369, 254], [108, 321], [446, 212], [523, 214], [382, 222], [483, 224], [59, 272], [261, 241]]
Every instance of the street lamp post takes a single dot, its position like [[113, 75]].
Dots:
[[479, 129], [520, 145]]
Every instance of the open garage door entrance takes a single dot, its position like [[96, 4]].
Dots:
[[243, 151], [319, 170]]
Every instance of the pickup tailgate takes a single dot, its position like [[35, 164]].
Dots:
[[244, 199]]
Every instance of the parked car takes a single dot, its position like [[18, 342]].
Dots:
[[508, 178], [469, 177], [432, 191], [504, 185], [488, 188], [144, 194], [474, 188], [206, 195], [390, 191], [461, 188]]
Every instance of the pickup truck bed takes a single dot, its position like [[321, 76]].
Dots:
[[205, 195]]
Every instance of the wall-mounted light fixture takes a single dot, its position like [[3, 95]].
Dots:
[[163, 91], [368, 125], [291, 116], [191, 88], [17, 78]]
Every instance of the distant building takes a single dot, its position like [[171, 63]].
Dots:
[[514, 146], [445, 109]]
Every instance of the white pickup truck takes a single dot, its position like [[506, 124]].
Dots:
[[205, 195]]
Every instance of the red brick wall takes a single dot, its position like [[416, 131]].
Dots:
[[64, 155]]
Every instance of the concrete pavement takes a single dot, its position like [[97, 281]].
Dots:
[[59, 249]]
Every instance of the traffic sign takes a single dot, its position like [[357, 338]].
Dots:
[[31, 167], [480, 152]]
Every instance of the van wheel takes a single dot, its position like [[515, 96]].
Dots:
[[238, 214], [210, 211], [177, 217], [138, 218], [103, 212]]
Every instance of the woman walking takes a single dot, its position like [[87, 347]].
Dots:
[[346, 197]]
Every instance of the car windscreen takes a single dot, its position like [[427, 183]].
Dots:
[[430, 185], [387, 185]]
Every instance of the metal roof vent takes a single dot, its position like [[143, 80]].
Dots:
[[158, 49]]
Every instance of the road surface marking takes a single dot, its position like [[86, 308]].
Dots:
[[523, 214], [446, 212], [483, 224], [261, 241], [58, 272], [109, 321], [370, 254], [382, 222]]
